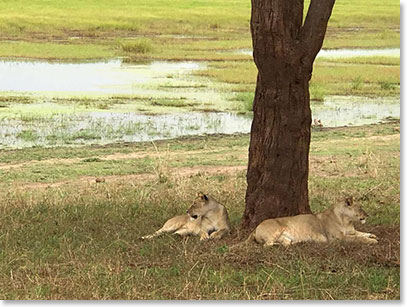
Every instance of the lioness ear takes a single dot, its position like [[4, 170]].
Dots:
[[203, 196], [349, 201]]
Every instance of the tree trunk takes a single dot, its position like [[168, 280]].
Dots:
[[284, 50]]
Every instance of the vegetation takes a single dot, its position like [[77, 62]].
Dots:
[[64, 236], [140, 46], [104, 20], [215, 32]]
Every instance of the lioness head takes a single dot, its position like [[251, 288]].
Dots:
[[200, 206], [353, 211]]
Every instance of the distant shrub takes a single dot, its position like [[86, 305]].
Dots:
[[357, 83], [245, 100], [386, 85], [28, 135], [141, 46], [178, 103], [317, 92], [86, 134], [92, 159]]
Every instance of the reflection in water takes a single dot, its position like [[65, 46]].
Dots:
[[339, 111], [63, 124], [100, 77], [350, 53], [108, 127]]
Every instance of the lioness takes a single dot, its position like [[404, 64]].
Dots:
[[333, 223], [206, 218]]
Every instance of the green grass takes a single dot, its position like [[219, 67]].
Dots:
[[28, 135], [53, 51], [142, 46], [245, 100], [317, 91], [98, 18], [219, 25], [63, 236], [203, 31], [375, 77]]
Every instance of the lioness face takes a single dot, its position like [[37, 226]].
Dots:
[[199, 207], [354, 211]]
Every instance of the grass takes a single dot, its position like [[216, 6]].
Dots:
[[28, 135], [64, 236], [95, 19], [53, 51], [200, 31], [245, 100], [357, 83], [177, 103], [169, 99], [317, 91], [187, 30], [329, 77], [142, 46]]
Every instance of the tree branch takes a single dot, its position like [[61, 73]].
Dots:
[[313, 31]]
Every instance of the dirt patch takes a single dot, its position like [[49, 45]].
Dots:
[[116, 156], [173, 172], [8, 166], [384, 138]]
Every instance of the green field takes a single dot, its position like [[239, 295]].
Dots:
[[353, 23], [201, 31], [65, 236]]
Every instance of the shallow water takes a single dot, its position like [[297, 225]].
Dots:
[[337, 111], [347, 53], [107, 127], [350, 53], [51, 124], [111, 77], [102, 127]]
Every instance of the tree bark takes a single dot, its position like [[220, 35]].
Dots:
[[284, 50]]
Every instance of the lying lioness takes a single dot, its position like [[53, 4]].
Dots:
[[333, 223], [206, 218]]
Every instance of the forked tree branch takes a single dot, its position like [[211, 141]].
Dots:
[[313, 31]]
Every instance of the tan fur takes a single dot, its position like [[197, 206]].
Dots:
[[205, 218], [182, 225], [215, 219], [333, 223]]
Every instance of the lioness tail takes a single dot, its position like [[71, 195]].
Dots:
[[250, 238]]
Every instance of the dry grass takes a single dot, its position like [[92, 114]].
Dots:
[[80, 239]]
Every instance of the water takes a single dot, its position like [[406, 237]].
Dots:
[[51, 124], [347, 53], [111, 77], [338, 111], [103, 127], [108, 127], [351, 53]]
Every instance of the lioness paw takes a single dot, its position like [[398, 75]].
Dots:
[[215, 235], [372, 241], [204, 236]]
